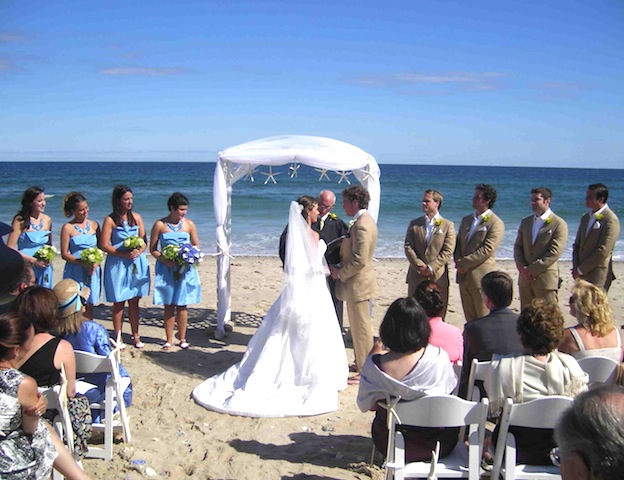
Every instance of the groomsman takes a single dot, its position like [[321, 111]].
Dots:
[[595, 239], [429, 245], [539, 244], [330, 228], [478, 237], [357, 283]]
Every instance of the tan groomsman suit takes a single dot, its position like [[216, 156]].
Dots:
[[434, 254], [475, 255], [593, 248], [540, 257], [358, 282]]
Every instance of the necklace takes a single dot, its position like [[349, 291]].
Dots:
[[36, 227], [84, 230], [175, 228]]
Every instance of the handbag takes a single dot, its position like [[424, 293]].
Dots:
[[81, 420]]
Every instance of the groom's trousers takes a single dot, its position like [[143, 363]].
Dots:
[[361, 330]]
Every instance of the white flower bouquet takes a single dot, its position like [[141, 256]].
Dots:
[[92, 256], [170, 252], [47, 253], [133, 242]]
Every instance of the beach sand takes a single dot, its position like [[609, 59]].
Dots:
[[172, 437]]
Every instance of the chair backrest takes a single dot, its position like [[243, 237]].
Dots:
[[440, 411], [457, 368], [599, 369], [91, 363], [479, 371]]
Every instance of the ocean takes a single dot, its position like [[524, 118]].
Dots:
[[260, 211]]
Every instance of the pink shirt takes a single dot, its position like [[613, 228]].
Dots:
[[447, 337]]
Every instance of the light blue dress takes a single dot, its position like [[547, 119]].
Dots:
[[77, 244], [168, 290], [124, 278], [28, 243]]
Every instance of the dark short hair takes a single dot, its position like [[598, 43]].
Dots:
[[355, 192], [601, 191], [540, 326], [405, 327], [498, 286], [546, 193], [437, 197], [39, 305], [489, 193], [14, 331], [428, 295], [176, 200]]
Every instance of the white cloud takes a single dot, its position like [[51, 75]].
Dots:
[[143, 71], [433, 83], [11, 37]]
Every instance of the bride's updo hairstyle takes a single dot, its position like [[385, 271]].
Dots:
[[307, 202], [405, 327], [428, 295]]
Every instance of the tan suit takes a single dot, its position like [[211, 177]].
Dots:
[[435, 254], [477, 257], [593, 251], [357, 283], [540, 257]]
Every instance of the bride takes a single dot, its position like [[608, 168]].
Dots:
[[296, 363]]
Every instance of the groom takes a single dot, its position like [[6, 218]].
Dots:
[[356, 281]]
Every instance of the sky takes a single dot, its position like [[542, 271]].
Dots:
[[519, 83]]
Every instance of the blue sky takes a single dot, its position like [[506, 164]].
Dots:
[[439, 82]]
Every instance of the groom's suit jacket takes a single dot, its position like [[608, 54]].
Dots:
[[541, 257], [593, 250], [358, 281], [435, 254], [477, 255]]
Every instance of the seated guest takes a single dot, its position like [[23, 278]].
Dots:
[[595, 334], [541, 372], [494, 333], [590, 435], [86, 336], [442, 335], [410, 368]]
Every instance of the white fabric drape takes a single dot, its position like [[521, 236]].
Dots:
[[236, 162]]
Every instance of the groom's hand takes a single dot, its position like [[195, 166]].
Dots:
[[333, 270]]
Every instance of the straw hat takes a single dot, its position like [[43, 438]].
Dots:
[[71, 297]]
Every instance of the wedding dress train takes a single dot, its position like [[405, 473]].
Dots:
[[295, 364]]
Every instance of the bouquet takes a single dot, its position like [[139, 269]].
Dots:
[[190, 254], [133, 242], [46, 253], [185, 256], [92, 256], [170, 252]]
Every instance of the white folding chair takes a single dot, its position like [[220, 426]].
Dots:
[[457, 368], [57, 400], [479, 371], [599, 369], [87, 363], [437, 411], [539, 413]]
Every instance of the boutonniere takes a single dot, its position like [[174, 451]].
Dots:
[[485, 218], [548, 221], [599, 216], [333, 216], [437, 222]]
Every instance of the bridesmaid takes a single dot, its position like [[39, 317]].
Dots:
[[172, 289], [32, 229], [77, 235], [126, 271]]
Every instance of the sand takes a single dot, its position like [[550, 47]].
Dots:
[[172, 437]]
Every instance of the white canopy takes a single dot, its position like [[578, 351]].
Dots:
[[237, 162]]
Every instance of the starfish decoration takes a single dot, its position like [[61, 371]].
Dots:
[[323, 172], [270, 175], [343, 176], [223, 251], [250, 176], [366, 171], [294, 168]]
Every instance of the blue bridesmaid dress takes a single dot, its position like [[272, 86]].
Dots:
[[28, 243], [77, 244], [171, 291], [124, 278]]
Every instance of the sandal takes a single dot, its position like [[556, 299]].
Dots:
[[166, 346], [184, 344], [139, 344], [354, 380]]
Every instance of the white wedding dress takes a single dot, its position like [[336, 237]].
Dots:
[[296, 362]]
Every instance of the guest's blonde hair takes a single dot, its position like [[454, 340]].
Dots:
[[71, 324], [591, 305]]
